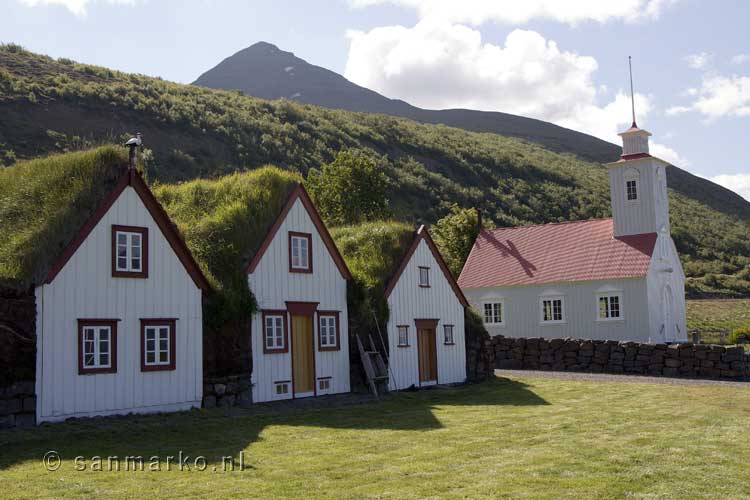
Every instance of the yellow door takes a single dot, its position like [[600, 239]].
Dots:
[[303, 355], [427, 355]]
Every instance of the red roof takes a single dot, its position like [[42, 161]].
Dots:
[[555, 253]]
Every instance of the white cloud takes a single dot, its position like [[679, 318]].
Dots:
[[719, 96], [77, 7], [476, 12], [741, 59], [739, 183], [441, 65], [698, 61]]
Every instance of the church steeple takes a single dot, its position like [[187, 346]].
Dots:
[[638, 186]]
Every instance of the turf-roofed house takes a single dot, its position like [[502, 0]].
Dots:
[[419, 307], [118, 294], [300, 334], [618, 278]]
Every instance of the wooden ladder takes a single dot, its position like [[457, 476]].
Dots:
[[375, 368]]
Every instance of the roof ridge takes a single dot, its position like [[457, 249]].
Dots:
[[596, 219]]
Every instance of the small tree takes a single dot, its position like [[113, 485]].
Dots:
[[454, 235], [350, 190]]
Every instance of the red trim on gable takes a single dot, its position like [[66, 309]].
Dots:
[[301, 194], [133, 178], [423, 234]]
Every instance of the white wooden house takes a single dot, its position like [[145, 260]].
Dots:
[[426, 319], [299, 336], [618, 278], [119, 319]]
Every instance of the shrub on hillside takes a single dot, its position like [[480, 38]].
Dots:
[[740, 336]]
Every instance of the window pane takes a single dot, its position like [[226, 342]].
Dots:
[[602, 307], [122, 238], [150, 345], [104, 359], [163, 345], [136, 251], [164, 332], [88, 360], [136, 264], [122, 251], [135, 239], [150, 358], [163, 358]]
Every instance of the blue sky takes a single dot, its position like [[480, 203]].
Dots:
[[564, 62]]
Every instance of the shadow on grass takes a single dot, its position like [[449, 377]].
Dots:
[[215, 434]]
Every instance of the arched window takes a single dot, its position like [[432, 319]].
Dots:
[[632, 185]]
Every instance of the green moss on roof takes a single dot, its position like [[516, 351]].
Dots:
[[224, 221], [373, 250], [43, 204]]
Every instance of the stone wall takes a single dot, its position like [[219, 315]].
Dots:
[[480, 352], [18, 405], [676, 360], [227, 391]]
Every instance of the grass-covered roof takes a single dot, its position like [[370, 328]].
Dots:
[[43, 204], [224, 222], [373, 250]]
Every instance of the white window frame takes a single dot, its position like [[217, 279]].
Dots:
[[424, 271], [449, 340], [328, 331], [405, 330], [609, 295], [97, 332], [129, 248], [157, 351], [277, 336], [282, 388], [502, 312], [552, 298], [302, 261], [632, 175]]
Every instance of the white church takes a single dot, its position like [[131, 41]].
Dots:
[[614, 279]]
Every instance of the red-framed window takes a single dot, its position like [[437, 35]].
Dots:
[[97, 346], [329, 337], [129, 252], [158, 344], [275, 332], [300, 252]]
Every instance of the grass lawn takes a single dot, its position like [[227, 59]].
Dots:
[[507, 438], [714, 317]]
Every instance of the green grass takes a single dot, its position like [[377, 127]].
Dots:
[[522, 438], [714, 318], [44, 202]]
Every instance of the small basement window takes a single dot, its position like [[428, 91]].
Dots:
[[448, 335], [324, 384], [129, 252], [609, 306], [424, 277], [300, 252], [158, 344], [282, 388], [403, 335], [97, 346]]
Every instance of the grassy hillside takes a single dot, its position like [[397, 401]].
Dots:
[[51, 105]]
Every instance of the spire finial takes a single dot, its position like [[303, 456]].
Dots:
[[632, 94]]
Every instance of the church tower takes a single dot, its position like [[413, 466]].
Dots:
[[638, 186]]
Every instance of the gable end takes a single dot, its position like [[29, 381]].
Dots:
[[133, 179]]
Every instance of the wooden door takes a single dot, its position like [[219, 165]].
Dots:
[[427, 347], [303, 356]]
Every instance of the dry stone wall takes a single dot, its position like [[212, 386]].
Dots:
[[609, 356], [17, 405]]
